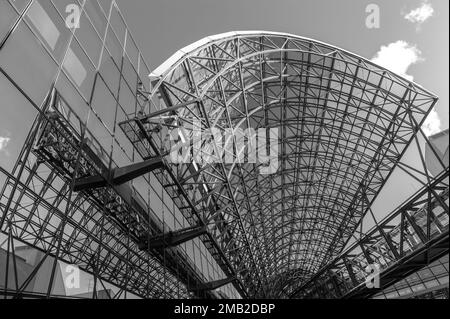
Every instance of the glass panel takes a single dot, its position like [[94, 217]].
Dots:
[[144, 73], [114, 47], [132, 51], [156, 204], [71, 114], [19, 4], [118, 25], [110, 73], [61, 6], [102, 136], [106, 5], [97, 16], [73, 98], [7, 17], [124, 143], [119, 156], [43, 24], [129, 73], [15, 109], [80, 69], [127, 99], [167, 215], [121, 116], [89, 39], [431, 283], [25, 60], [50, 27], [104, 104]]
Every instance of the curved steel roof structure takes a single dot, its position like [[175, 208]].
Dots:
[[343, 124]]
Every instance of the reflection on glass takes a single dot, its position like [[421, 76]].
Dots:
[[14, 109], [25, 60], [104, 104], [74, 67], [96, 16], [7, 18], [89, 39], [43, 24]]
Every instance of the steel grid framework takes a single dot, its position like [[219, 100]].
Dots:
[[410, 238], [430, 278], [344, 124], [95, 229]]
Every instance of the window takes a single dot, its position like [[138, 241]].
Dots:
[[7, 18], [50, 27], [101, 139], [129, 73], [132, 51], [74, 67], [89, 39], [80, 69], [28, 64], [19, 4], [97, 16], [114, 47], [15, 109], [110, 73], [127, 99], [104, 104], [106, 5], [118, 25], [43, 24], [73, 98]]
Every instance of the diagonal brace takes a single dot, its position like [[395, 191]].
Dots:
[[170, 238], [118, 175], [212, 285]]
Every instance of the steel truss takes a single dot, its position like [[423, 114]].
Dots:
[[98, 228], [413, 236], [344, 124]]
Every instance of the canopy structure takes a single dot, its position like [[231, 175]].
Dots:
[[343, 124]]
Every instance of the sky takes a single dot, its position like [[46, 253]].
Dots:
[[412, 38]]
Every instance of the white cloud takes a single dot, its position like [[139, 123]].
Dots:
[[420, 14], [432, 124], [398, 57], [4, 142]]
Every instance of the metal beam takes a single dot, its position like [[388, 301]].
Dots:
[[118, 175], [170, 238], [420, 258], [399, 232], [212, 285], [127, 214]]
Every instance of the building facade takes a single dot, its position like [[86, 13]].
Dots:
[[87, 179], [95, 67]]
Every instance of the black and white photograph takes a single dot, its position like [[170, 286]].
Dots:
[[220, 157]]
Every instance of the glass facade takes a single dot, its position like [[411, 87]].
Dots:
[[430, 278], [334, 113], [96, 69]]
